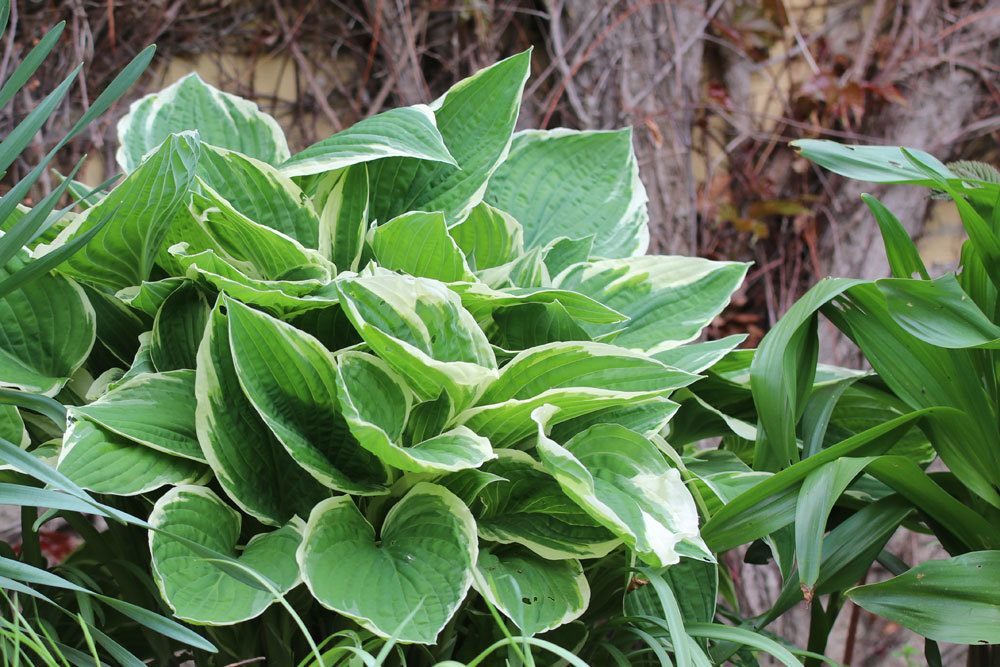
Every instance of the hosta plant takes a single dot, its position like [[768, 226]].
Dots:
[[412, 382]]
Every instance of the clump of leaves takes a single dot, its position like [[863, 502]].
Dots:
[[420, 357]]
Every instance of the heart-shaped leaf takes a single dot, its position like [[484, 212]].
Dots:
[[407, 584]]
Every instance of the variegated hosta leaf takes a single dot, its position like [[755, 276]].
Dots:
[[568, 183], [47, 328], [290, 378], [697, 357], [419, 327], [577, 377], [622, 480], [526, 506], [409, 132], [418, 244], [153, 409], [481, 300], [283, 297], [118, 326], [149, 295], [199, 590], [476, 119], [536, 594], [252, 466], [256, 249], [12, 426], [104, 462], [669, 299], [563, 252], [178, 328], [409, 582], [379, 424], [142, 208], [488, 238], [344, 217], [525, 325], [191, 104], [260, 192]]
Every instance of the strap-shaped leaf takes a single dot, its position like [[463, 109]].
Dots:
[[290, 379], [526, 506], [409, 132], [47, 329], [379, 424], [197, 589], [417, 243], [104, 462], [191, 104], [623, 481], [144, 204], [569, 183], [251, 465], [260, 192], [153, 409], [476, 119], [878, 164], [669, 300], [537, 594], [428, 540]]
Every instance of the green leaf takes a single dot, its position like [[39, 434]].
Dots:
[[149, 295], [538, 595], [623, 481], [178, 328], [488, 238], [260, 192], [563, 252], [418, 244], [525, 325], [481, 301], [570, 183], [946, 600], [695, 585], [47, 329], [409, 132], [378, 425], [669, 299], [878, 164], [728, 633], [191, 104], [526, 506], [428, 540], [103, 462], [939, 312], [153, 409], [290, 378], [29, 63], [251, 465], [476, 119], [419, 327], [12, 426], [144, 204], [698, 357], [344, 218], [904, 259], [197, 589]]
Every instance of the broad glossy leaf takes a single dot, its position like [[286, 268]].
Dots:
[[379, 424], [698, 357], [12, 426], [563, 252], [476, 119], [950, 600], [418, 244], [150, 295], [526, 325], [118, 327], [428, 540], [622, 480], [939, 312], [419, 327], [153, 409], [104, 462], [488, 238], [669, 299], [47, 329], [409, 132], [178, 328], [878, 164], [142, 209], [290, 379], [197, 589], [538, 595], [260, 192], [482, 300], [570, 183], [526, 506], [344, 218], [252, 466], [191, 104]]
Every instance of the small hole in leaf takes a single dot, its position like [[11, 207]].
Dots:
[[526, 600]]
